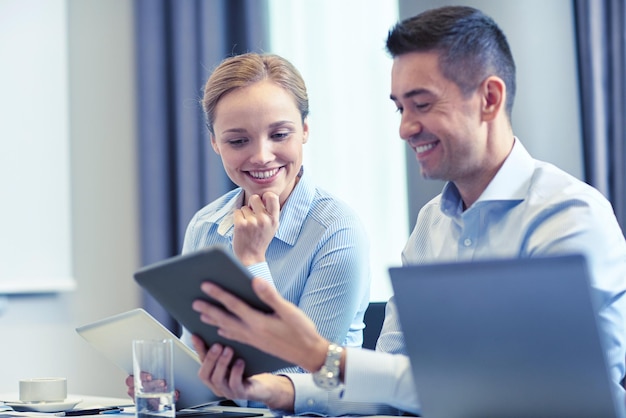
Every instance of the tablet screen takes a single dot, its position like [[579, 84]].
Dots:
[[113, 337]]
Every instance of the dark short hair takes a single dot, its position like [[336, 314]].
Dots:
[[470, 44]]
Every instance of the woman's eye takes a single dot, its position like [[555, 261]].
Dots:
[[280, 135], [237, 142]]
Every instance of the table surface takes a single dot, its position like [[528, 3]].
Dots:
[[103, 401], [87, 402]]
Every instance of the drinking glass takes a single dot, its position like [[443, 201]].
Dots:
[[153, 370]]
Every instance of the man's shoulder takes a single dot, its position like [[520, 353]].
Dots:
[[549, 182]]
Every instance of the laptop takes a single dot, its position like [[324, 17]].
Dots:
[[113, 336], [505, 338]]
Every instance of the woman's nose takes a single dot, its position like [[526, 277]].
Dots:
[[262, 152]]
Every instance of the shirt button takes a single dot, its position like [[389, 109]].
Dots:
[[467, 242], [310, 402]]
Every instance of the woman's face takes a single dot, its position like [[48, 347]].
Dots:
[[259, 135]]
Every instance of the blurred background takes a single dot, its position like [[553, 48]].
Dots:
[[104, 155]]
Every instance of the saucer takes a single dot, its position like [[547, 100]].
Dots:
[[44, 406]]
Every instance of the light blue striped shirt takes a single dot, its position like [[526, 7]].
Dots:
[[318, 259], [529, 209]]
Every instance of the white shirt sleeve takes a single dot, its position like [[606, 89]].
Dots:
[[311, 400], [392, 376], [393, 389]]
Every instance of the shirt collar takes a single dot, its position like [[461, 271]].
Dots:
[[510, 183], [224, 216], [296, 210]]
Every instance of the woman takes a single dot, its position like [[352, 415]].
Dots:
[[308, 244]]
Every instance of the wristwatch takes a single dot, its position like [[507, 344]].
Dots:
[[328, 376]]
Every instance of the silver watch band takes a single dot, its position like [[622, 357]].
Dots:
[[328, 376]]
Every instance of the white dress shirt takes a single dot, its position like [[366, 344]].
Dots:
[[529, 209]]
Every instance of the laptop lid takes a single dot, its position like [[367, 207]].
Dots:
[[113, 337], [504, 338]]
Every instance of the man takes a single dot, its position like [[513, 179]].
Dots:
[[453, 81]]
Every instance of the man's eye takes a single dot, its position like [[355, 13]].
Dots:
[[422, 106], [399, 110]]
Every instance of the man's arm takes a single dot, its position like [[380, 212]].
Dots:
[[286, 333], [290, 334]]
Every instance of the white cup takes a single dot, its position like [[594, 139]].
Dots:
[[43, 389]]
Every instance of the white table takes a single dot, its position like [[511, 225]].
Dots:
[[87, 402]]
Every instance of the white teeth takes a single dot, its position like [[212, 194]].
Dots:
[[423, 148], [263, 174]]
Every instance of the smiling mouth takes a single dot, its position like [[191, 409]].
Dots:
[[425, 147], [264, 174]]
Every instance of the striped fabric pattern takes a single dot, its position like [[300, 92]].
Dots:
[[318, 259]]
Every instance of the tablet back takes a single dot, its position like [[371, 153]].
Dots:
[[113, 336], [505, 338], [175, 283]]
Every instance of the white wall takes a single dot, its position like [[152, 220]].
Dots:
[[37, 332], [34, 148]]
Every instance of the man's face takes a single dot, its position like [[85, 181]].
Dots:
[[440, 124]]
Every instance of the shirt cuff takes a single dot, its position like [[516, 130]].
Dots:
[[309, 398], [261, 270], [364, 367], [312, 400]]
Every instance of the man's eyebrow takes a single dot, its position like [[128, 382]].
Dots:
[[409, 94]]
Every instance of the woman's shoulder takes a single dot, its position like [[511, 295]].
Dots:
[[331, 208], [317, 202]]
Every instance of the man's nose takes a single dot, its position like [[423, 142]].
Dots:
[[410, 127]]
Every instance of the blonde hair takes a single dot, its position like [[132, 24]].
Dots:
[[246, 69]]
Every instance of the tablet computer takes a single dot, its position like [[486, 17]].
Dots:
[[175, 284], [113, 337]]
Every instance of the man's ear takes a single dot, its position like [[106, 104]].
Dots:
[[214, 144], [493, 91]]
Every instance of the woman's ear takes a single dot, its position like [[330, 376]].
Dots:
[[305, 131], [214, 144], [493, 92]]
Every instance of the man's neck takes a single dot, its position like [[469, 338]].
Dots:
[[471, 188]]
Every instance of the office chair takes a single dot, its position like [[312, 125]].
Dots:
[[373, 319]]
